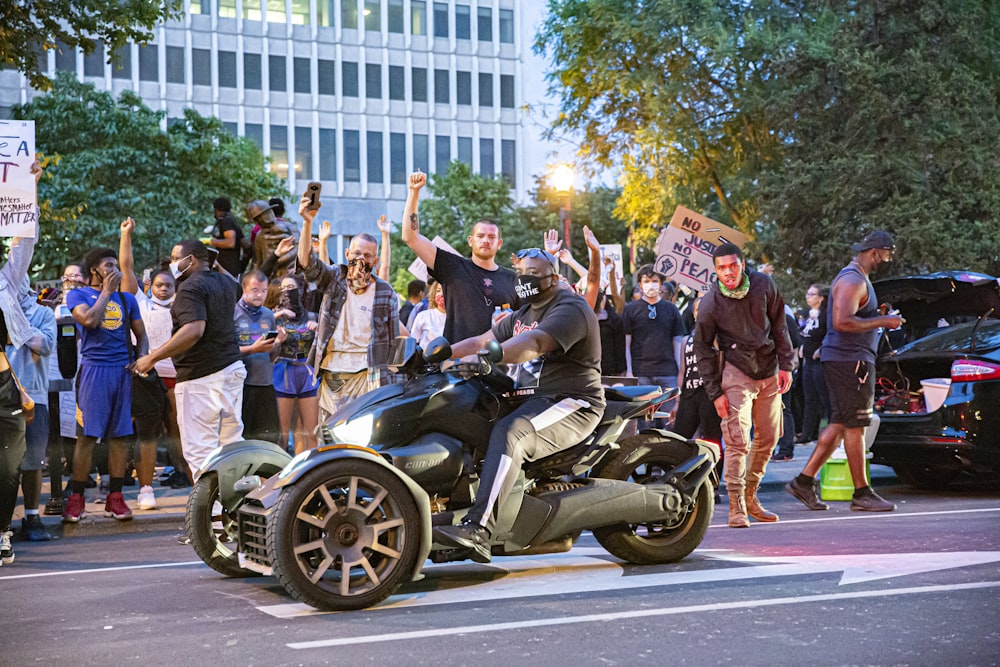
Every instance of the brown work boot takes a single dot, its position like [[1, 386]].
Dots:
[[755, 509], [737, 511]]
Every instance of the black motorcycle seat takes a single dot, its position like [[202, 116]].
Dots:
[[631, 394]]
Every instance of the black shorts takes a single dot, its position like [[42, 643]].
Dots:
[[851, 385]]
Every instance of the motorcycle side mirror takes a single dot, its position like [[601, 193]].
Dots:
[[437, 350], [492, 352]]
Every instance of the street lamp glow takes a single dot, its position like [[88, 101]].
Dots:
[[562, 178]]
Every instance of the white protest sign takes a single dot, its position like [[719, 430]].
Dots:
[[18, 196], [614, 251], [419, 269], [685, 246]]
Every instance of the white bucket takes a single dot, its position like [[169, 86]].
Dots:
[[935, 391]]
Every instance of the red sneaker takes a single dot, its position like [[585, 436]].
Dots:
[[115, 506], [75, 509]]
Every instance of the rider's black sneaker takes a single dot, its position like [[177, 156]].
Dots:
[[466, 535]]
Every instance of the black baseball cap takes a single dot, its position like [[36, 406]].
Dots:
[[880, 240]]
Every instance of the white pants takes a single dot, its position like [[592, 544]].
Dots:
[[210, 413]]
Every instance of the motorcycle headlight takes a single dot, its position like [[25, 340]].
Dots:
[[355, 431]]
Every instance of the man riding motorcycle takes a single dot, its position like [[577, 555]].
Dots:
[[553, 346]]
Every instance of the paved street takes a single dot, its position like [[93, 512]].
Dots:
[[918, 586]]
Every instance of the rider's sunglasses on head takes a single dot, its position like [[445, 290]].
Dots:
[[536, 252]]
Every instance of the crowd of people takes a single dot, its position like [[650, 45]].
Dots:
[[264, 336]]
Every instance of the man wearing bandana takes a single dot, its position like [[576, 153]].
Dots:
[[553, 346], [358, 319], [746, 313]]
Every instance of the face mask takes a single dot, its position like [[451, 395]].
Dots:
[[529, 288], [165, 303], [291, 299], [359, 275], [175, 268], [651, 290], [439, 300], [882, 266]]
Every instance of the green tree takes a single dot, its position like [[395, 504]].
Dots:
[[889, 116], [107, 159], [32, 28]]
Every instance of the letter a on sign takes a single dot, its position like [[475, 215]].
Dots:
[[18, 195]]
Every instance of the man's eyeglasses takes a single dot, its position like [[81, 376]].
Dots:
[[652, 311], [535, 252]]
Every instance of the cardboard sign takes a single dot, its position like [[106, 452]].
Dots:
[[18, 195], [614, 251], [685, 246], [419, 269]]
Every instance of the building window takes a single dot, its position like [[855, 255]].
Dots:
[[324, 12], [418, 84], [175, 64], [397, 158], [231, 128], [255, 133], [485, 90], [420, 160], [442, 153], [66, 57], [326, 77], [465, 150], [279, 150], [201, 67], [303, 152], [251, 10], [506, 26], [418, 17], [441, 86], [227, 69], [374, 152], [373, 81], [507, 91], [352, 156], [397, 83], [275, 11], [251, 71], [486, 157], [93, 63], [508, 163], [463, 87], [440, 19], [227, 9], [373, 15], [121, 64], [149, 63], [327, 155], [276, 76], [300, 12], [463, 21], [302, 75], [349, 14], [349, 74], [484, 24], [395, 16]]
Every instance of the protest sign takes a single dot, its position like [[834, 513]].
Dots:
[[614, 251], [18, 195], [419, 269], [685, 246]]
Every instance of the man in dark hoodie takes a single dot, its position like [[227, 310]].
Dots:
[[746, 313]]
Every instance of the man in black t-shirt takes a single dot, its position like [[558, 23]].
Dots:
[[227, 237], [206, 354], [475, 287], [554, 349]]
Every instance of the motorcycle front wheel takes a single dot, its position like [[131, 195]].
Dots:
[[345, 536], [213, 530], [647, 459]]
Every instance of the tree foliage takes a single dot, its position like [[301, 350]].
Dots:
[[107, 159], [33, 27]]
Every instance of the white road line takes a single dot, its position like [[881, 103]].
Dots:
[[63, 573], [860, 516], [644, 613]]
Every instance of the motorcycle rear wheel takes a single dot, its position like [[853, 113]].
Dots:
[[646, 459], [345, 536], [212, 530]]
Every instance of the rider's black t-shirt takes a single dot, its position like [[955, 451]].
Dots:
[[572, 370], [471, 294]]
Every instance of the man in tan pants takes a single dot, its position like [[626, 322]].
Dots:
[[744, 314]]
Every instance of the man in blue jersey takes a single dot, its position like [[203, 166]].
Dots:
[[848, 357], [105, 319]]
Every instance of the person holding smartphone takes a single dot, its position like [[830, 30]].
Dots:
[[256, 331]]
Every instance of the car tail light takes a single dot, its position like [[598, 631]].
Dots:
[[966, 370]]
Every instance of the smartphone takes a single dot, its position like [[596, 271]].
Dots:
[[270, 335], [313, 190]]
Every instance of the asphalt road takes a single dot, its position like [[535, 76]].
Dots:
[[918, 586]]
